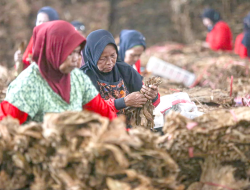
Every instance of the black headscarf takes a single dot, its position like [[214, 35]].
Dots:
[[212, 14], [246, 38], [52, 14], [96, 43], [78, 25], [129, 39]]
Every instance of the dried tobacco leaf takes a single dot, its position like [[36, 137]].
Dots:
[[215, 176], [143, 117], [88, 152]]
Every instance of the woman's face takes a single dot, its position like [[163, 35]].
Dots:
[[73, 61], [207, 22], [108, 59], [133, 55], [41, 18]]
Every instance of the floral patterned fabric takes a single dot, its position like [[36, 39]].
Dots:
[[30, 93], [115, 90]]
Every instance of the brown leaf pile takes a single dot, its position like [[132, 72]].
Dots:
[[216, 177], [143, 117], [203, 96], [222, 134], [207, 95], [212, 69], [82, 150]]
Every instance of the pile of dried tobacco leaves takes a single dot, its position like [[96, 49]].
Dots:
[[215, 176], [222, 134], [81, 151], [215, 70]]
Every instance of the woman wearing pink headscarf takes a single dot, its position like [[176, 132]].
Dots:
[[53, 83]]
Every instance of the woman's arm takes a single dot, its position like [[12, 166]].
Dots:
[[99, 105], [8, 109]]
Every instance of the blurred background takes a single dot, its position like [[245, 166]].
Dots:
[[159, 20]]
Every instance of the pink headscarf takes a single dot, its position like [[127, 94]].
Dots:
[[53, 42]]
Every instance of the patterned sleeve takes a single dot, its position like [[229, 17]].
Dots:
[[24, 94], [88, 88]]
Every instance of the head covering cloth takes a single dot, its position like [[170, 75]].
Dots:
[[96, 43], [52, 14], [246, 38], [53, 42], [128, 40], [212, 14]]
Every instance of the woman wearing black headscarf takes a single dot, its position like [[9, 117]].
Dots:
[[132, 44], [246, 38], [242, 40], [118, 83], [220, 35], [45, 14], [80, 27]]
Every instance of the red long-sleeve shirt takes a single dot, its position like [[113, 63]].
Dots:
[[220, 38], [97, 105], [239, 48], [138, 66]]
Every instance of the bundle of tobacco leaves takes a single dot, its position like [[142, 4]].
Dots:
[[209, 96], [81, 151], [143, 117], [23, 155], [222, 134], [216, 70], [215, 176], [241, 86]]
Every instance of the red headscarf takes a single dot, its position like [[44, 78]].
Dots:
[[53, 42]]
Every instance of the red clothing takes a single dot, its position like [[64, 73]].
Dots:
[[138, 66], [27, 52], [220, 38], [97, 105], [8, 109], [239, 48]]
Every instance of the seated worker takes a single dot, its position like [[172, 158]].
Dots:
[[118, 83], [132, 44], [242, 46], [45, 14], [53, 83], [80, 27], [219, 35]]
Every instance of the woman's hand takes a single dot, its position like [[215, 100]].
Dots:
[[150, 92], [18, 56], [135, 99]]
